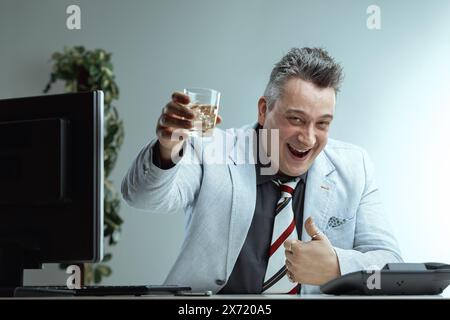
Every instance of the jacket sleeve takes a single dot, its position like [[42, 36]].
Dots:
[[148, 187], [374, 243]]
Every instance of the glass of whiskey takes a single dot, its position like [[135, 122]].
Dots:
[[205, 104]]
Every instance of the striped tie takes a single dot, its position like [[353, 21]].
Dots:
[[276, 280]]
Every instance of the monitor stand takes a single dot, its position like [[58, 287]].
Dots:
[[13, 260]]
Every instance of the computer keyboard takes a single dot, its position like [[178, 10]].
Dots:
[[136, 290]]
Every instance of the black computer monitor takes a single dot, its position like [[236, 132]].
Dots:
[[51, 182]]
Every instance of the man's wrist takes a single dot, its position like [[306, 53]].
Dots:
[[336, 266], [160, 158]]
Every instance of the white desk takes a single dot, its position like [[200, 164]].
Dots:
[[444, 296], [239, 297]]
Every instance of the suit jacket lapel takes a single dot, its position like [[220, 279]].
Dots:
[[319, 188], [243, 177]]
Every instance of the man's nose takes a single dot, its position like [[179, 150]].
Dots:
[[308, 137]]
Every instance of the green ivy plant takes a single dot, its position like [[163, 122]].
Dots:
[[85, 70]]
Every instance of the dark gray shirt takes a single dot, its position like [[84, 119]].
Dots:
[[248, 273]]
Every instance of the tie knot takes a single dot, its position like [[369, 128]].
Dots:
[[287, 188]]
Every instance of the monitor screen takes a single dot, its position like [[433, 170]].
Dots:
[[51, 181]]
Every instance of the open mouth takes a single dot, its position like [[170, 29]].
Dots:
[[297, 153]]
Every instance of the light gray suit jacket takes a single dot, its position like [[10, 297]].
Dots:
[[219, 198]]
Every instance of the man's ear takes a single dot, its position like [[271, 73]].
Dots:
[[262, 110]]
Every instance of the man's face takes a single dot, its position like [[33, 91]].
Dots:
[[302, 115]]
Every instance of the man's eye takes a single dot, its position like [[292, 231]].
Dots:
[[323, 125], [295, 120]]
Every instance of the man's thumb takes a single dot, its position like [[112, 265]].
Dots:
[[312, 230]]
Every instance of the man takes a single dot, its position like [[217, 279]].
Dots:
[[313, 219]]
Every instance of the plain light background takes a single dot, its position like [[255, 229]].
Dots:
[[395, 100]]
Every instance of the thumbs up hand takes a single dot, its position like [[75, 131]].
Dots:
[[314, 262]]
